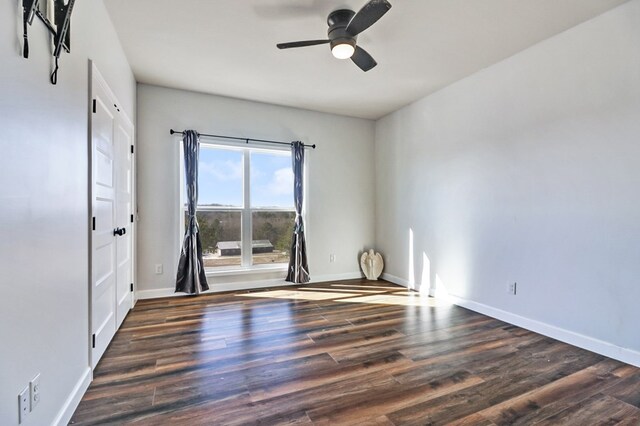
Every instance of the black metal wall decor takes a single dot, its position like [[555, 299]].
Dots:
[[58, 23]]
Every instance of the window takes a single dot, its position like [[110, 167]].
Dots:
[[245, 206]]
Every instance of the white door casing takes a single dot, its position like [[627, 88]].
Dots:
[[103, 253]]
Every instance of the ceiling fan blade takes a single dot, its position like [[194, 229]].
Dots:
[[301, 44], [367, 16], [363, 60]]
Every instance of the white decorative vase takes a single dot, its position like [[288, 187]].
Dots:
[[371, 264]]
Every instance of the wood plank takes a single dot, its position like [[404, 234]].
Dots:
[[369, 406], [552, 398], [627, 389], [597, 410]]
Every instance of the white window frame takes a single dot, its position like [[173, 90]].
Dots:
[[246, 211]]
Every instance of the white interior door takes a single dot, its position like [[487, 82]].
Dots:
[[103, 254], [124, 220], [112, 237]]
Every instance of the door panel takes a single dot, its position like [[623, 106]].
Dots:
[[103, 280], [124, 210]]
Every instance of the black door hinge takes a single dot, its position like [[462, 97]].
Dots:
[[93, 344], [131, 218], [94, 106], [132, 149], [131, 286], [94, 223]]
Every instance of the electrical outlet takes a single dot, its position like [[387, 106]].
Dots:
[[512, 288], [34, 388], [159, 268], [23, 405], [332, 258]]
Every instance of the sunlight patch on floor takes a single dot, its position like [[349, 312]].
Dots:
[[343, 290], [302, 295], [400, 297], [366, 287], [392, 299]]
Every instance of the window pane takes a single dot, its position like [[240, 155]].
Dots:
[[272, 237], [271, 180], [220, 177], [220, 234]]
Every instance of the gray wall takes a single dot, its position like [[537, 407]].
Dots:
[[44, 206], [340, 195], [527, 171]]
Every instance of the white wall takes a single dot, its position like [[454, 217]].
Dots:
[[44, 206], [340, 195], [527, 172]]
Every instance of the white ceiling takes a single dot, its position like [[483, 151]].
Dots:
[[227, 47]]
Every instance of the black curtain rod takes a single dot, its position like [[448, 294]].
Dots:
[[247, 140]]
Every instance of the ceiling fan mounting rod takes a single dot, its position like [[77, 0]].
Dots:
[[338, 21], [340, 17]]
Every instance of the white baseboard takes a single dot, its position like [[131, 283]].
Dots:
[[395, 280], [244, 285], [70, 405], [157, 293], [213, 288], [592, 344], [600, 347], [405, 283], [336, 277]]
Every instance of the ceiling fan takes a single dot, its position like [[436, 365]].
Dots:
[[344, 27]]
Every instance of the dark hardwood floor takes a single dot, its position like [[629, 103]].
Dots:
[[349, 352]]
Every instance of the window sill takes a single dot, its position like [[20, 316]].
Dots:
[[245, 271]]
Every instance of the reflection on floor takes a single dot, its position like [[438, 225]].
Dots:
[[349, 352]]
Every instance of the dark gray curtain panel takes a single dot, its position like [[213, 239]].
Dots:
[[298, 271], [191, 277]]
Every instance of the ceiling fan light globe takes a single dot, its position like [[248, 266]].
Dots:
[[343, 50]]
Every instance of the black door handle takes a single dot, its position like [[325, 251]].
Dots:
[[119, 231]]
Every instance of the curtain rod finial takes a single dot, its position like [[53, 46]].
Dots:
[[171, 131]]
